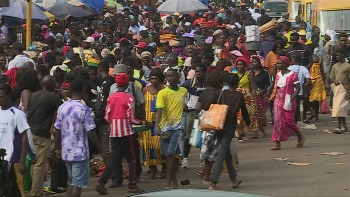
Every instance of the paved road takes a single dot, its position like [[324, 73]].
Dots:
[[263, 175]]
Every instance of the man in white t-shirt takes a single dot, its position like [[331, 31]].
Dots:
[[305, 82], [12, 121], [20, 58]]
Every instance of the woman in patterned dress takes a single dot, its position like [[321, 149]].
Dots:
[[318, 91], [246, 85], [287, 86], [149, 141], [262, 81]]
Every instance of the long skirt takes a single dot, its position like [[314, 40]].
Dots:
[[284, 124], [258, 114]]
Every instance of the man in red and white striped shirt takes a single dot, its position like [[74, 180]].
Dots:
[[119, 114]]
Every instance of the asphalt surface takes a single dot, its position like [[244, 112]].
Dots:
[[261, 174]]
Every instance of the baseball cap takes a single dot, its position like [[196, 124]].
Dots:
[[89, 39], [141, 45], [17, 45]]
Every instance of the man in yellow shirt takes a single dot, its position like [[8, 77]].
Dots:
[[170, 104]]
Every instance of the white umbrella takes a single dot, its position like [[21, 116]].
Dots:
[[181, 6]]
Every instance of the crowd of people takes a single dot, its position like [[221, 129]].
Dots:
[[132, 87]]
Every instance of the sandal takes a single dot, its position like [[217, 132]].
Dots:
[[205, 182], [162, 175], [200, 174], [301, 144], [214, 188], [275, 148], [239, 182]]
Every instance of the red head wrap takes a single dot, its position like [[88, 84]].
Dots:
[[244, 59], [285, 60], [121, 79], [66, 84]]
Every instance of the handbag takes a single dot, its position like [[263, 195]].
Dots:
[[196, 135], [214, 118]]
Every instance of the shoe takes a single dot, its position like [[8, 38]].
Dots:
[[115, 185], [184, 163], [344, 131], [136, 190], [337, 131], [101, 189], [201, 164]]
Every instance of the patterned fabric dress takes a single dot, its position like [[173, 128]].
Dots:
[[284, 109], [244, 88], [148, 140], [258, 113], [318, 91]]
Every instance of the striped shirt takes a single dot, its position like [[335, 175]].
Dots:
[[304, 51], [119, 114]]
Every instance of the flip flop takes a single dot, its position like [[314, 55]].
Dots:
[[301, 144], [216, 188], [239, 182], [163, 175], [200, 174], [275, 148]]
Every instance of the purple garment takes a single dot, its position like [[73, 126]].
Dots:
[[267, 46], [75, 121]]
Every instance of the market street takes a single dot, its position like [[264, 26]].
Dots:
[[261, 174]]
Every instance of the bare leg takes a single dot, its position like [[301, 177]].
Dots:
[[207, 169], [316, 107], [69, 190], [344, 124], [76, 192], [187, 147], [172, 181]]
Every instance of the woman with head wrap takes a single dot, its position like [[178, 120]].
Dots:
[[262, 80], [246, 86], [287, 86], [149, 141]]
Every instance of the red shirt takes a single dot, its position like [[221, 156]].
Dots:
[[119, 114], [12, 75]]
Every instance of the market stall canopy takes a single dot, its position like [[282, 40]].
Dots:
[[95, 5], [50, 16], [181, 6], [49, 3], [18, 9], [63, 11], [110, 4]]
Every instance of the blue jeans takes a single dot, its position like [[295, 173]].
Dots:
[[170, 146]]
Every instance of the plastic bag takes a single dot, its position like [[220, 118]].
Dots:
[[27, 177], [324, 109], [196, 135]]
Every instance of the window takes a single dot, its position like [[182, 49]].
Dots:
[[275, 6], [335, 20], [294, 10], [308, 12]]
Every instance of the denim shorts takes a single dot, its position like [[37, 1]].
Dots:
[[170, 146], [78, 173]]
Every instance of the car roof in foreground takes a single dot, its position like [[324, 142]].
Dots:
[[193, 193]]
